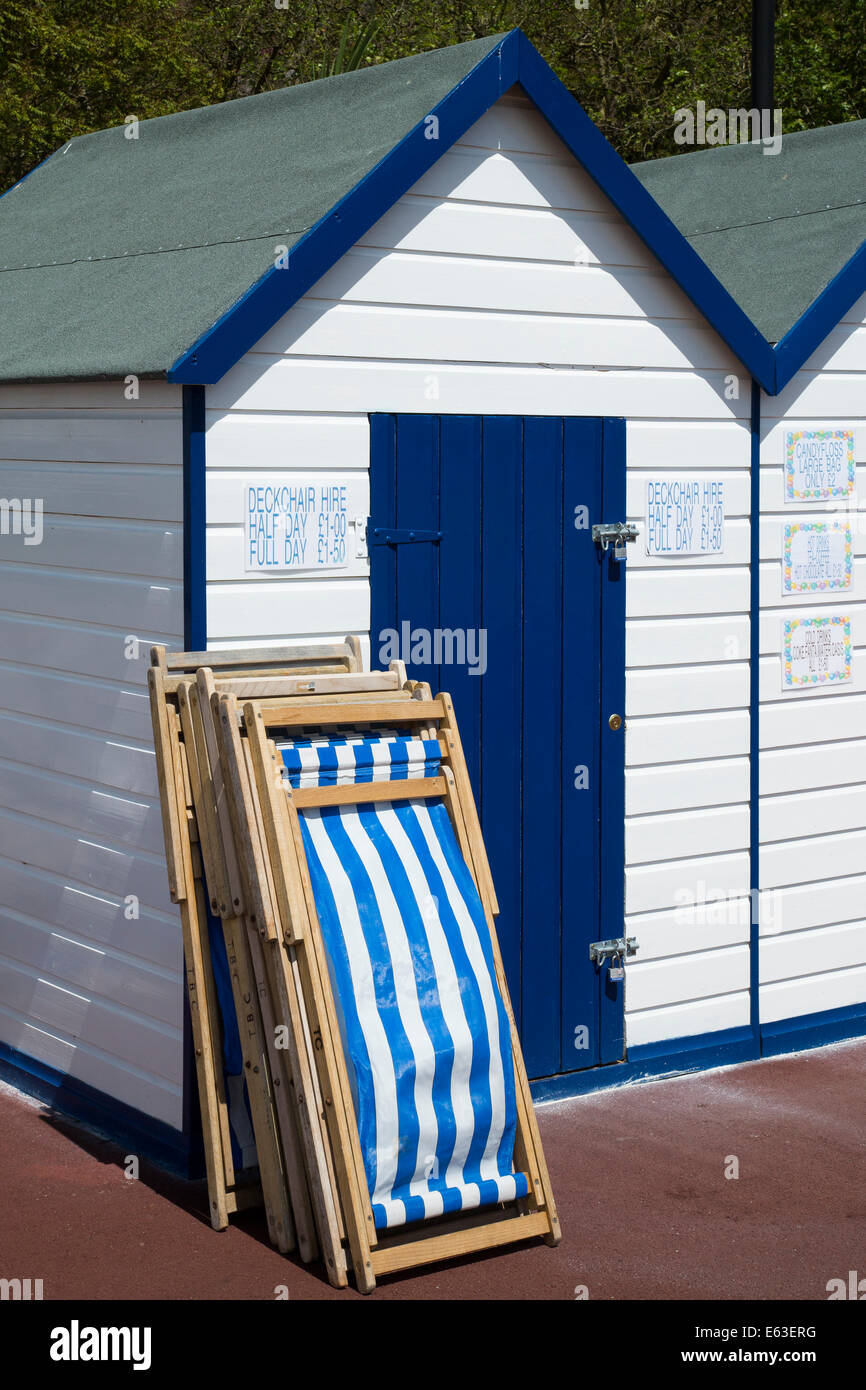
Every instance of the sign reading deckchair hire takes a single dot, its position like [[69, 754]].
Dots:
[[816, 651], [819, 464], [425, 1028], [816, 556], [685, 516], [295, 523]]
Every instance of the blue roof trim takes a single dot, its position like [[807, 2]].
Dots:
[[516, 60], [628, 195], [820, 318]]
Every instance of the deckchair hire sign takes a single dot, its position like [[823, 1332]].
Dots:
[[295, 522]]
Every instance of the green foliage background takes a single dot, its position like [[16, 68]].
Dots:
[[71, 66]]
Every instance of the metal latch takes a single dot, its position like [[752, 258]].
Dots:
[[393, 535], [615, 533], [616, 946]]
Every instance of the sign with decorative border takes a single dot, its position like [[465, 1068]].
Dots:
[[816, 651], [817, 556], [819, 464]]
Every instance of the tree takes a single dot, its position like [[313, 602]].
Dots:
[[71, 66]]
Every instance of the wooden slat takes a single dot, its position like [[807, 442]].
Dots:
[[283, 964], [293, 716], [244, 1198], [259, 1086], [255, 658], [265, 687], [259, 906], [280, 1074], [206, 828], [281, 1081], [189, 758], [451, 736], [407, 789], [333, 1076], [201, 696], [198, 972], [428, 1249], [171, 824], [253, 1035]]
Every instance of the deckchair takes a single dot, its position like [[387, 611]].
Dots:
[[377, 874], [229, 1190], [242, 900]]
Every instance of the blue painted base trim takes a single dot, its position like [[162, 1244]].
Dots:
[[670, 1058], [143, 1135], [703, 1051], [813, 1030]]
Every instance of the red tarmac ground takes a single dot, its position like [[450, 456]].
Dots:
[[638, 1172]]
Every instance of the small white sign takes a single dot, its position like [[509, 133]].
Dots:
[[295, 523], [817, 556], [816, 651], [685, 516], [819, 464]]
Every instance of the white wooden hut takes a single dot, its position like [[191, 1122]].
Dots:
[[374, 355]]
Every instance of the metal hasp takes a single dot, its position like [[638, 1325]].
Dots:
[[391, 535], [614, 946], [615, 533]]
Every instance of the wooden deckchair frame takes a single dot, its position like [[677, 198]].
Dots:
[[168, 670], [305, 1152], [373, 1254]]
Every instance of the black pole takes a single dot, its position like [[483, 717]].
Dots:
[[763, 53]]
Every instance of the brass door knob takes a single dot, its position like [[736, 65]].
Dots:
[[615, 722]]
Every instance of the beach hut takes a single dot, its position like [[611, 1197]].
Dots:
[[410, 354]]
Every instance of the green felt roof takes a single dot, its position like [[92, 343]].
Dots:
[[775, 229], [117, 254]]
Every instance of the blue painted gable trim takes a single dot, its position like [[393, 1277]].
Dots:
[[820, 318], [513, 60], [265, 302], [628, 195]]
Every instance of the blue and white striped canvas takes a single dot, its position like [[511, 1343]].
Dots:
[[424, 1026], [326, 763]]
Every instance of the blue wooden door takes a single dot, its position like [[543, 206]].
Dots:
[[486, 581]]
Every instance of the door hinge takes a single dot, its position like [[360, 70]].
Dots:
[[615, 533], [400, 535]]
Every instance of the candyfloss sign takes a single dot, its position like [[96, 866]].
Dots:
[[295, 523], [685, 515]]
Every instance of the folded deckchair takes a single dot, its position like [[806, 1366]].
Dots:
[[422, 1022], [217, 1041], [376, 877]]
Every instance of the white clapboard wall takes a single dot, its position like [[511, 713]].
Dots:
[[813, 758], [85, 989], [504, 282]]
